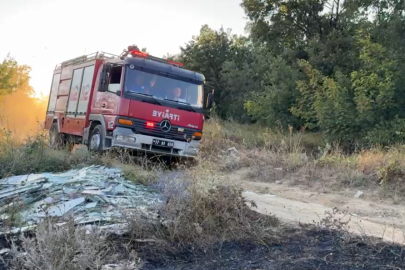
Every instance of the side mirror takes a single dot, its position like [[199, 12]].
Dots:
[[210, 96], [210, 99], [118, 93]]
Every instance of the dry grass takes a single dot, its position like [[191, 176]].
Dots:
[[34, 155], [290, 156], [304, 159], [200, 211], [62, 247], [137, 174], [369, 160], [224, 134]]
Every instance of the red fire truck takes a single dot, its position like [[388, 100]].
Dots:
[[133, 100]]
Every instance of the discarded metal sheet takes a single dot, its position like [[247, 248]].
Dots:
[[10, 192], [91, 205], [22, 179], [62, 208], [93, 192], [93, 195], [18, 230]]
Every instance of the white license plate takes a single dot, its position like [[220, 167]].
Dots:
[[162, 143]]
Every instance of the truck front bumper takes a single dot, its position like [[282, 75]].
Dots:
[[126, 138]]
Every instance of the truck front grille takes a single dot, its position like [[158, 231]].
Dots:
[[175, 132]]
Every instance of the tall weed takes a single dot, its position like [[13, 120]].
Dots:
[[201, 210]]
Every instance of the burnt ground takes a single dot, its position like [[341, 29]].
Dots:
[[309, 248], [303, 249]]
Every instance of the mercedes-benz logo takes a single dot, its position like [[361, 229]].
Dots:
[[165, 125]]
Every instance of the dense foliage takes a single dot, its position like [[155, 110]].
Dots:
[[21, 112], [330, 66], [10, 76]]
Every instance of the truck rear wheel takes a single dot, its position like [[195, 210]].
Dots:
[[96, 140], [55, 138]]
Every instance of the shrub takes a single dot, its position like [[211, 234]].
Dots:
[[63, 247], [200, 211]]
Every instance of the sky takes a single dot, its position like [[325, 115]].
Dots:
[[43, 33]]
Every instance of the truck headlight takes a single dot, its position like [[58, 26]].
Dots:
[[125, 138]]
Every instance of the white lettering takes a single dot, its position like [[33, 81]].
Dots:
[[166, 115]]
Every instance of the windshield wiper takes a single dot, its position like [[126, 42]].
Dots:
[[180, 102], [146, 95]]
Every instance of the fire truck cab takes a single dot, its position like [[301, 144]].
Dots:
[[134, 101]]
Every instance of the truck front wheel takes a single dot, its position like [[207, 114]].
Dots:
[[96, 139]]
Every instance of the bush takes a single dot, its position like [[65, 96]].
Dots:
[[387, 133], [34, 156], [200, 212], [63, 247]]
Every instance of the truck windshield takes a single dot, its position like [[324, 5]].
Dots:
[[164, 87]]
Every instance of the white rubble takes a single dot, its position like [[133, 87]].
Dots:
[[92, 195], [358, 194]]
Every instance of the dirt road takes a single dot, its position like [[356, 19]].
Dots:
[[293, 204]]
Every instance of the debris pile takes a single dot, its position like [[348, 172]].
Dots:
[[92, 195]]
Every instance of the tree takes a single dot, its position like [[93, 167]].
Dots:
[[289, 23], [374, 84], [206, 53], [310, 63], [345, 107], [326, 104], [20, 110], [273, 91], [10, 79]]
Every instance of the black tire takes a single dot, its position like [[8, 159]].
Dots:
[[96, 140], [56, 139]]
